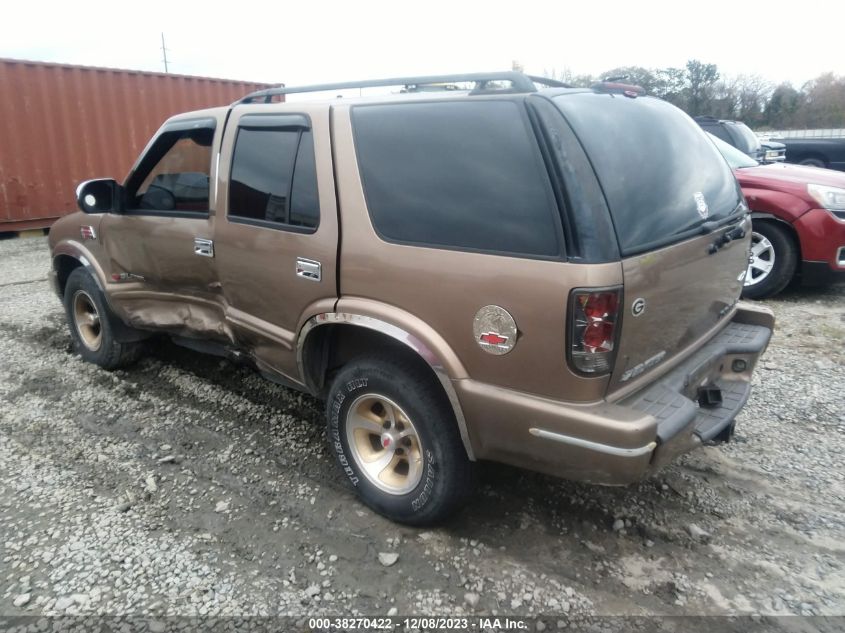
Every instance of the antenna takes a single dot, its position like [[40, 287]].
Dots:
[[164, 52]]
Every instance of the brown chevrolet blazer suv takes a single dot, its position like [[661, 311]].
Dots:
[[509, 270]]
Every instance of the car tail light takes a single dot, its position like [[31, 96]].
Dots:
[[593, 316]]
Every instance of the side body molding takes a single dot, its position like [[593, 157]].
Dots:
[[397, 333]]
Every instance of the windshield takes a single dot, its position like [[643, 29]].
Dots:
[[735, 158], [661, 175], [747, 140]]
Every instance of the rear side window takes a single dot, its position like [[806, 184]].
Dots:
[[273, 181], [460, 175]]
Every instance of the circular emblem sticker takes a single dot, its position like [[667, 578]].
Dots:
[[638, 307], [494, 330]]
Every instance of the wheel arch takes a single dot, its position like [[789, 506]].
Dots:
[[790, 229], [319, 347], [814, 154], [69, 255]]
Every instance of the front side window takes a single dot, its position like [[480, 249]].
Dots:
[[274, 180], [458, 175], [173, 175]]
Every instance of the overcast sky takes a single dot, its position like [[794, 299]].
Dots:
[[309, 42]]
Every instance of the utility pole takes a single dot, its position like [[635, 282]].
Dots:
[[164, 52]]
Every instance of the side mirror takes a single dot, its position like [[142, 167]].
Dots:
[[103, 195]]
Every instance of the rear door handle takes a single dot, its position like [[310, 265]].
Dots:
[[308, 269], [203, 247]]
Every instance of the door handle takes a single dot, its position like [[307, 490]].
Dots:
[[308, 269], [203, 247]]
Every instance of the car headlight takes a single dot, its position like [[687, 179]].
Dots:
[[830, 198]]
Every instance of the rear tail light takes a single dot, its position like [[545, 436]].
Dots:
[[592, 330]]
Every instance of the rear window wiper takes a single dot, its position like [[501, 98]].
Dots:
[[736, 233], [733, 218]]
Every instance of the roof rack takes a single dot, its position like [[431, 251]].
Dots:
[[519, 82]]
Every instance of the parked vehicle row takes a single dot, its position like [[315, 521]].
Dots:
[[815, 152], [740, 136], [828, 153], [798, 218], [773, 152], [497, 273]]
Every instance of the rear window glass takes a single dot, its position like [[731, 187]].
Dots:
[[466, 176], [746, 140], [718, 129], [735, 158], [661, 175]]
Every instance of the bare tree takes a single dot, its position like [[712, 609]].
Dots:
[[698, 88], [825, 101], [567, 76]]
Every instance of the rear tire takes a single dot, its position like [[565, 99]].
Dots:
[[90, 322], [395, 438], [813, 162], [774, 258]]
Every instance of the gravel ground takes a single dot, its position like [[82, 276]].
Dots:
[[186, 485]]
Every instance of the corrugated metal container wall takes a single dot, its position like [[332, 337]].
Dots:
[[61, 124]]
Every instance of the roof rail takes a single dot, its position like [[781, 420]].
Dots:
[[519, 82]]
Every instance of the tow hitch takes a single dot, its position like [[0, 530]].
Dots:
[[709, 397]]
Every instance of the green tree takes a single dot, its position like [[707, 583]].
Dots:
[[700, 81], [670, 85], [781, 109]]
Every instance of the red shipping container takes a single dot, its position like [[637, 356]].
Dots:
[[62, 124]]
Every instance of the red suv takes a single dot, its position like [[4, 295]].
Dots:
[[798, 216]]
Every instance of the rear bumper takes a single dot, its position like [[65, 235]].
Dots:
[[622, 442], [724, 363]]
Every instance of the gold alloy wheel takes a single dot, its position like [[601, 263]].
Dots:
[[384, 444], [87, 320]]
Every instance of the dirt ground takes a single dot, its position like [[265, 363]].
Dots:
[[187, 485]]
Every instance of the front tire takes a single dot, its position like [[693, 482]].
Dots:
[[90, 322], [395, 438], [774, 258]]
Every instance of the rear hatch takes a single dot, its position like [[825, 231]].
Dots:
[[680, 221]]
